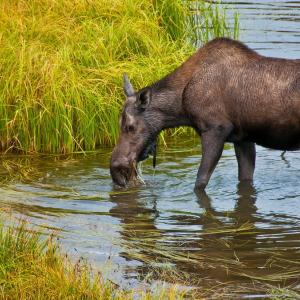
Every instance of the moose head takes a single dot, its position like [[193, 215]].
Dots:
[[138, 132]]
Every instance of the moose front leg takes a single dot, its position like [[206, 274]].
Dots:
[[212, 146], [245, 154]]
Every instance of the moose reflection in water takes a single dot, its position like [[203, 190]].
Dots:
[[215, 248], [227, 93]]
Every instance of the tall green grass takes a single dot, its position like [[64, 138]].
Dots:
[[61, 64]]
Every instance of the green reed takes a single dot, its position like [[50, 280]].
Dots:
[[61, 64]]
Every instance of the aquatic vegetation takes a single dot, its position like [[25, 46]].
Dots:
[[32, 267], [283, 293], [170, 261], [62, 64], [17, 170], [223, 260]]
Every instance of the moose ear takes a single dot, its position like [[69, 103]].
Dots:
[[128, 88], [143, 99]]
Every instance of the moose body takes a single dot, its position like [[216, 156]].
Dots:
[[227, 93]]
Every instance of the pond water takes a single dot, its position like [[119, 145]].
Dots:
[[270, 27], [232, 240]]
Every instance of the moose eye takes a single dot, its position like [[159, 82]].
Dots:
[[130, 128]]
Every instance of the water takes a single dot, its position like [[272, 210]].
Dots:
[[270, 27], [236, 239]]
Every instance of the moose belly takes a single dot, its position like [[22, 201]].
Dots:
[[279, 138]]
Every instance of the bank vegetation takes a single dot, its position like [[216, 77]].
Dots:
[[61, 64]]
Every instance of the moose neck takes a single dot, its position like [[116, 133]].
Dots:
[[167, 94]]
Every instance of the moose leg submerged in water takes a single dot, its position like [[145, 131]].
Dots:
[[227, 93]]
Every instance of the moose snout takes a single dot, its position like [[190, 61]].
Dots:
[[121, 169]]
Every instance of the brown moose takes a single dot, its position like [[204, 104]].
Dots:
[[227, 93]]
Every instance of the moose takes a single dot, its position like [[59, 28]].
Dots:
[[228, 93]]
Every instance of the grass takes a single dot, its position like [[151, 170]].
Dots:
[[32, 267], [283, 293], [61, 64]]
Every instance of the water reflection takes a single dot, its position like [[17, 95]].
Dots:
[[137, 217], [217, 247]]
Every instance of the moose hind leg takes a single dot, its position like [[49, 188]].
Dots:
[[245, 154]]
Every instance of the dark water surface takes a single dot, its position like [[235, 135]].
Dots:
[[234, 239]]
